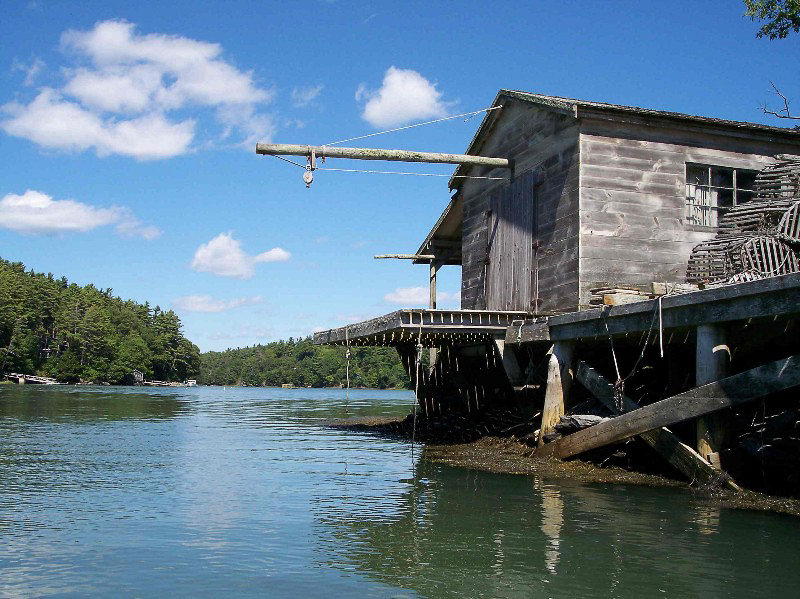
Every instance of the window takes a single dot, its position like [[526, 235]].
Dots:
[[713, 190]]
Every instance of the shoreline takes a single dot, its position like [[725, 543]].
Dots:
[[510, 455]]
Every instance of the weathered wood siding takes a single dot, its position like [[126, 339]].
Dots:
[[510, 250], [502, 220], [632, 197]]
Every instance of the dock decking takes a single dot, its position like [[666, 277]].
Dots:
[[431, 328]]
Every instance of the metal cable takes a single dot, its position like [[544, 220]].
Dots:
[[447, 118]]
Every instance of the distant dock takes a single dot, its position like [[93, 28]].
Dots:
[[30, 379]]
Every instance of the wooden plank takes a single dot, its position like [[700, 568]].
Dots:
[[733, 390], [776, 296], [685, 459]]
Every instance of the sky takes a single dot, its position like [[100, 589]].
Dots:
[[128, 130]]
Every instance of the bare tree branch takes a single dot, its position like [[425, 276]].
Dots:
[[783, 113]]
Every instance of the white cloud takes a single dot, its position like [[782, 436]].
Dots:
[[250, 332], [419, 296], [303, 96], [130, 226], [224, 256], [31, 70], [121, 102], [38, 213], [53, 122], [206, 303], [35, 212], [353, 318], [404, 96]]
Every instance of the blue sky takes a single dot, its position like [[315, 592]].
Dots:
[[127, 133]]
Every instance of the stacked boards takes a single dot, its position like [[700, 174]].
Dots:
[[756, 239]]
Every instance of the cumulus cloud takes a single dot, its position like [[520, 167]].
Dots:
[[206, 303], [404, 96], [224, 256], [303, 96], [418, 296], [124, 101], [37, 213], [54, 122]]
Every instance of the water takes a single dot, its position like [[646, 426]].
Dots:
[[241, 492]]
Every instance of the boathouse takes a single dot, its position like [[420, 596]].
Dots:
[[603, 205], [600, 196]]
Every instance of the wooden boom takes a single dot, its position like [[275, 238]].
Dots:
[[406, 256], [377, 154]]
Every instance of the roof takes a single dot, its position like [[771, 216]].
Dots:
[[446, 230], [576, 107]]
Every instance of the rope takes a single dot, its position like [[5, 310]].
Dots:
[[417, 372], [660, 327], [355, 170], [347, 371], [289, 161], [619, 385], [447, 118]]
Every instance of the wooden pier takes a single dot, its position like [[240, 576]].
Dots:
[[30, 379], [686, 230]]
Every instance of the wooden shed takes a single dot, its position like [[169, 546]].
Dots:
[[606, 197], [600, 196]]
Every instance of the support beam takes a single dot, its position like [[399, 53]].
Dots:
[[432, 302], [685, 459], [516, 377], [559, 380], [405, 256], [510, 364], [377, 154], [699, 401], [711, 363]]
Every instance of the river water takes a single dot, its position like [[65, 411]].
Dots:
[[241, 491]]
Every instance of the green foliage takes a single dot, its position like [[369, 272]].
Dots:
[[52, 327], [782, 16], [300, 363]]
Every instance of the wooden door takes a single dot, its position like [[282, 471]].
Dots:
[[510, 246]]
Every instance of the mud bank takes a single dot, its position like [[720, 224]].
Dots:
[[497, 443]]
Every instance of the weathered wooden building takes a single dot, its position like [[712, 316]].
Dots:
[[600, 196]]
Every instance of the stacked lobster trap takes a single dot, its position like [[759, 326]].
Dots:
[[756, 239]]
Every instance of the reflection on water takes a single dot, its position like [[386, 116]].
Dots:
[[243, 491], [552, 519]]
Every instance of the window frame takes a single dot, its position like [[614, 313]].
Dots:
[[713, 211]]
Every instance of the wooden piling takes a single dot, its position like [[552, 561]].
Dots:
[[699, 401], [560, 374], [711, 364]]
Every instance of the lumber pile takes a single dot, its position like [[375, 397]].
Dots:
[[621, 294], [756, 239]]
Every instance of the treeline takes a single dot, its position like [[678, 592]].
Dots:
[[55, 328], [300, 363]]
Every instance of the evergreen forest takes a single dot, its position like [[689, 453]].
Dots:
[[51, 327], [55, 328], [300, 363]]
